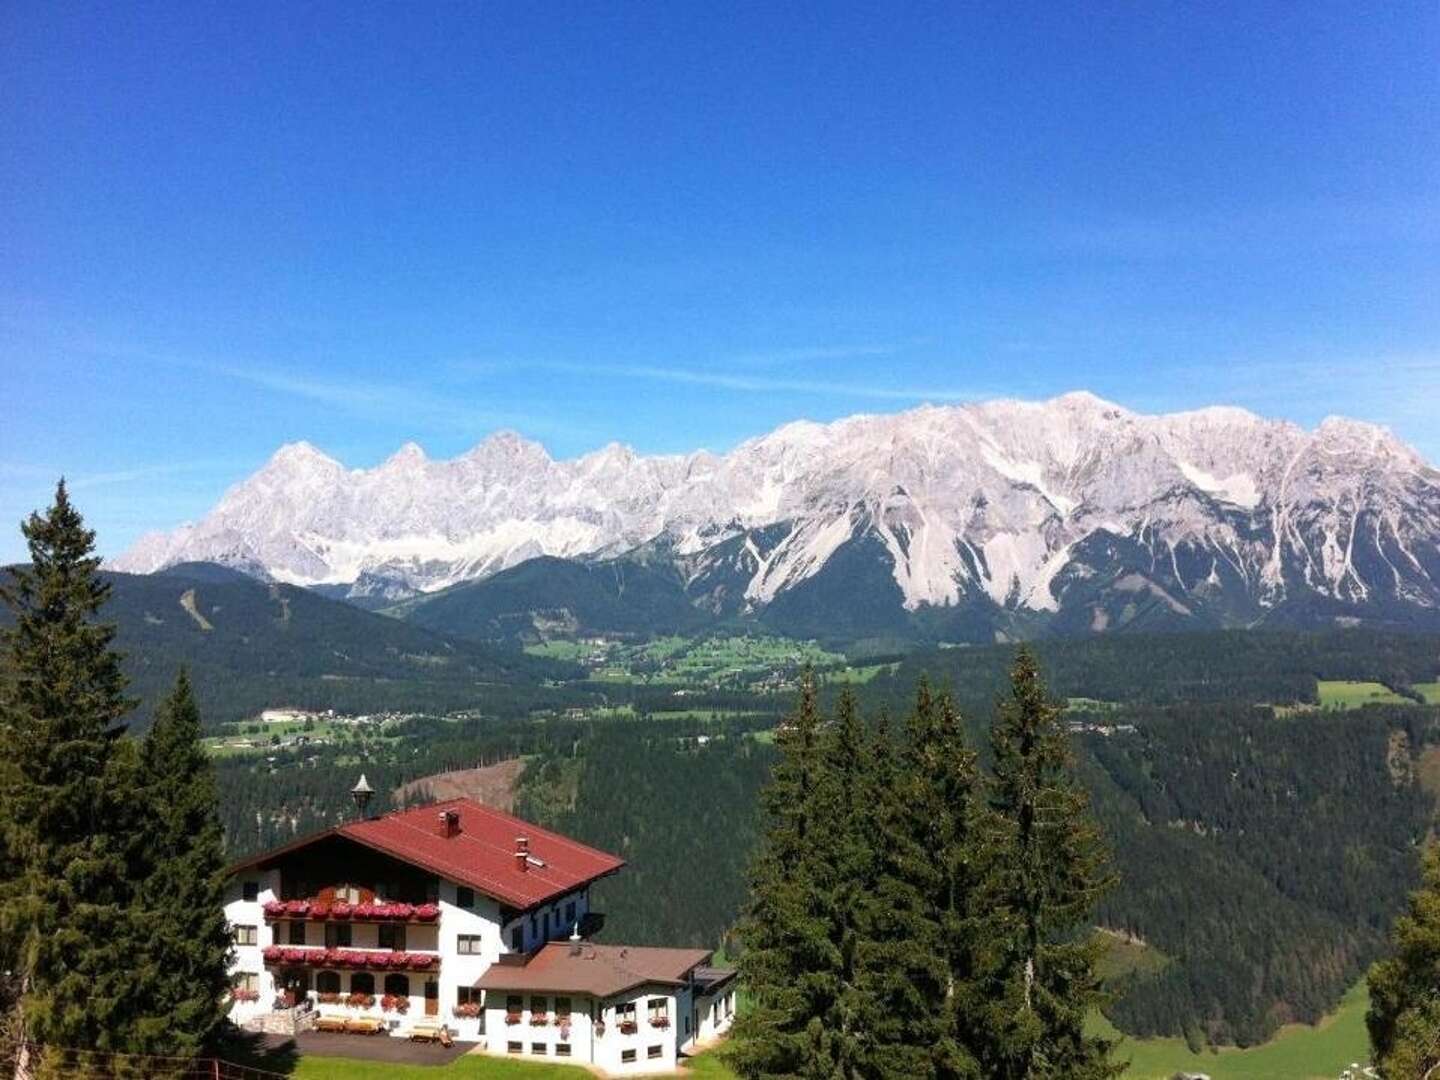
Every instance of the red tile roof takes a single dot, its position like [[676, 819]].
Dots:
[[481, 854], [598, 970]]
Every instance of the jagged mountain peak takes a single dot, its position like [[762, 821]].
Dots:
[[1023, 506]]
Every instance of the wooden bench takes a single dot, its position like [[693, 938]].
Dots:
[[364, 1025], [330, 1023], [430, 1031]]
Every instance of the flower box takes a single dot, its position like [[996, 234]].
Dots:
[[244, 995], [297, 908], [427, 912], [420, 962], [467, 1010], [628, 1027], [395, 1003], [659, 1021], [360, 1001], [512, 1018], [340, 910], [274, 909], [328, 997], [539, 1019]]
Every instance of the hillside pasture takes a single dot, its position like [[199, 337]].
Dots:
[[1352, 694]]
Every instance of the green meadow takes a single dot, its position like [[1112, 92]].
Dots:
[[1348, 694], [1297, 1052]]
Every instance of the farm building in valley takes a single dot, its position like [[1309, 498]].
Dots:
[[460, 917]]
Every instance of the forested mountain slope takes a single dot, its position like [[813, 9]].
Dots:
[[249, 645]]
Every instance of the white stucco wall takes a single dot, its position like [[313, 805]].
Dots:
[[442, 936], [605, 1051], [239, 912]]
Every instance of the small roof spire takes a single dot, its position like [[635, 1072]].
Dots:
[[361, 793]]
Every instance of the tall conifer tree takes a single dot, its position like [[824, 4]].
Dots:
[[1045, 867], [844, 871], [922, 798], [186, 949], [1404, 1016], [786, 940], [64, 907]]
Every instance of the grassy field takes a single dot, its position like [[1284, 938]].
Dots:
[[1430, 691], [1344, 694], [1297, 1052]]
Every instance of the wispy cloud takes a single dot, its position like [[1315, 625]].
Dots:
[[28, 473], [758, 384], [362, 397], [812, 353]]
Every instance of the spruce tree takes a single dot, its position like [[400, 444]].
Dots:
[[1045, 865], [844, 864], [1404, 1016], [916, 925], [64, 904], [787, 945], [186, 949]]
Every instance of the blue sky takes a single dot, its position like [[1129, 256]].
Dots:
[[225, 227]]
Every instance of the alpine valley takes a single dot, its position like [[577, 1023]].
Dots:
[[971, 523]]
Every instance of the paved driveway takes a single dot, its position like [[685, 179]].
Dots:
[[366, 1047]]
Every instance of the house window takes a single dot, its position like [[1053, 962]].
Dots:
[[397, 985], [250, 891], [392, 936], [327, 982], [539, 1006], [514, 1006], [562, 1008], [362, 982], [514, 1047], [337, 935], [517, 939], [465, 898], [245, 980], [625, 1018], [654, 1051], [468, 944], [297, 933], [467, 995], [627, 1056], [538, 1048], [245, 935], [659, 1012], [562, 1049]]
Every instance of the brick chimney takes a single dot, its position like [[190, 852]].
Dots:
[[449, 823], [522, 853]]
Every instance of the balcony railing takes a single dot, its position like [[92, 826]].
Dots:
[[360, 959], [340, 911]]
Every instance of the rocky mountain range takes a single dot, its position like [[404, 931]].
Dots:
[[968, 523]]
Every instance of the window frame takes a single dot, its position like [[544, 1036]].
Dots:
[[465, 897], [469, 944], [245, 933]]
